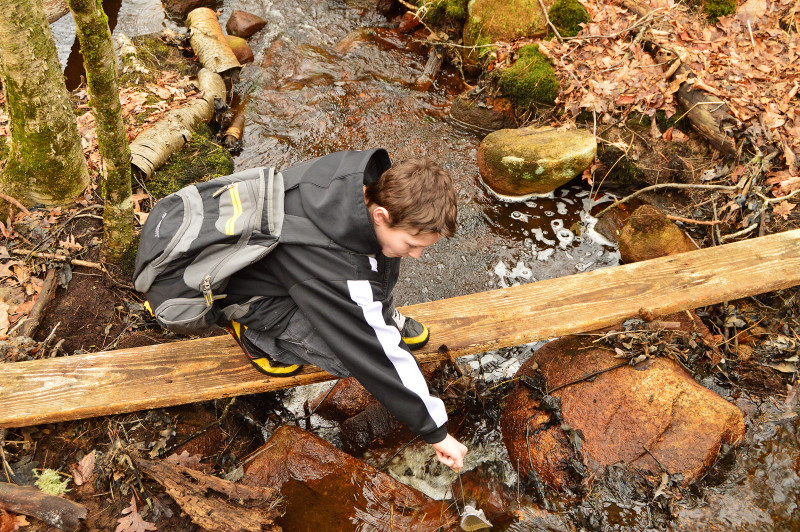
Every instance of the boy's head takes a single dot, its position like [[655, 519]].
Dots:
[[412, 205]]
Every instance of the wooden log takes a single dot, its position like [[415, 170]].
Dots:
[[211, 502], [153, 147], [208, 41], [55, 511], [705, 112], [126, 380]]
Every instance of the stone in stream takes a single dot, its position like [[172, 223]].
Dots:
[[648, 416], [326, 489], [346, 399], [523, 162], [243, 24], [242, 50], [490, 21], [485, 114], [178, 9], [648, 234]]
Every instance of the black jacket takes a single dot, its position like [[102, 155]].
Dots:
[[345, 290]]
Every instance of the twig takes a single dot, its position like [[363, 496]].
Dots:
[[203, 430], [53, 256], [587, 376], [48, 287], [665, 185], [400, 450], [408, 6], [552, 26], [750, 30], [15, 202], [690, 221], [664, 469]]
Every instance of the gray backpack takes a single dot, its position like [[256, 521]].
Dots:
[[195, 239]]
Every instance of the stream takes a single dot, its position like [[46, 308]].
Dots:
[[328, 77]]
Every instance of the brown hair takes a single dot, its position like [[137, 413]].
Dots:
[[418, 194]]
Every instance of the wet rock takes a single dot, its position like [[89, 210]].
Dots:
[[528, 161], [649, 234], [370, 427], [485, 491], [649, 416], [532, 519], [178, 9], [346, 399], [242, 50], [491, 21], [326, 489], [381, 6], [243, 24], [484, 114], [409, 22]]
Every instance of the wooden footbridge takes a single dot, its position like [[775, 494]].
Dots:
[[126, 380]]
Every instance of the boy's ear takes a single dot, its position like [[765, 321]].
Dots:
[[380, 216]]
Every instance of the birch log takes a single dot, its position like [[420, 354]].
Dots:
[[152, 148], [208, 41]]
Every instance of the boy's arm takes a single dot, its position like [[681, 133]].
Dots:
[[343, 299]]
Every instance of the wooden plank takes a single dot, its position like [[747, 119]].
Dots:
[[163, 375]]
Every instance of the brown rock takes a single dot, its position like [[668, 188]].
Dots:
[[483, 114], [242, 50], [243, 24], [409, 22], [374, 426], [326, 489], [648, 416], [178, 9], [346, 399], [649, 234]]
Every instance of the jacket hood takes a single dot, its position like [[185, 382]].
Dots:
[[332, 195]]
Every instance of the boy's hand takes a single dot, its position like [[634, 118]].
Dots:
[[451, 453]]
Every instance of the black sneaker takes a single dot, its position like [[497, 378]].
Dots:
[[414, 334], [258, 358]]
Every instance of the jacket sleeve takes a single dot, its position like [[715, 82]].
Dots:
[[344, 301]]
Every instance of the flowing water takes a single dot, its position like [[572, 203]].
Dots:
[[329, 77]]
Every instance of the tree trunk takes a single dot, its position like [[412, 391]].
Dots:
[[101, 75], [45, 162]]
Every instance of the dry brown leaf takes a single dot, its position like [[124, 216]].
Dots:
[[10, 522], [83, 471], [70, 244], [783, 209], [186, 460], [133, 522]]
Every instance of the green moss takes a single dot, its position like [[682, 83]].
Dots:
[[200, 160], [531, 79], [718, 8], [49, 481], [157, 57], [567, 15], [439, 11]]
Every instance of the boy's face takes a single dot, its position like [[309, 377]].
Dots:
[[399, 242]]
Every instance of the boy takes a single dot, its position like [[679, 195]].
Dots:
[[330, 303]]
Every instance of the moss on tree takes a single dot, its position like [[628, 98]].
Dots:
[[567, 15], [200, 160], [531, 79]]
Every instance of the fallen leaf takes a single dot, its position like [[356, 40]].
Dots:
[[186, 460], [133, 522], [783, 209], [83, 471], [10, 522], [69, 244]]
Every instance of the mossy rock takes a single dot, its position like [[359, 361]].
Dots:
[[567, 16], [649, 234], [442, 11], [199, 160], [718, 8], [531, 79], [491, 21]]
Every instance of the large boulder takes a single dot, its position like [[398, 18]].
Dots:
[[243, 24], [491, 21], [648, 416], [528, 161], [649, 234], [326, 489]]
